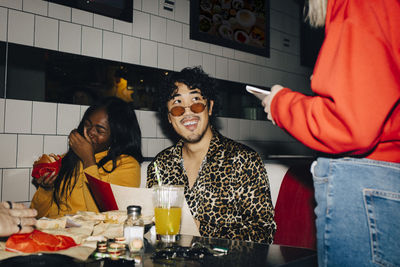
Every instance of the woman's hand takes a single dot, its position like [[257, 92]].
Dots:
[[54, 156], [266, 103], [47, 180], [16, 218], [82, 146]]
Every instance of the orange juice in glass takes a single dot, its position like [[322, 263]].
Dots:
[[168, 201]]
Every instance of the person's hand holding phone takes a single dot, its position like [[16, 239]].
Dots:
[[266, 102]]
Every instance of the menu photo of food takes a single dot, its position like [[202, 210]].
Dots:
[[241, 21]]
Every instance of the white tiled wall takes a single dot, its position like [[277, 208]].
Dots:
[[156, 38], [52, 26], [46, 33], [69, 38]]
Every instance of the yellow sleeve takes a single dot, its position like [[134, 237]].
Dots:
[[127, 172], [42, 202]]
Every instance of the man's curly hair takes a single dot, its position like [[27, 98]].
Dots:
[[193, 77]]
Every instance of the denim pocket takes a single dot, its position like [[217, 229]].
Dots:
[[383, 213]]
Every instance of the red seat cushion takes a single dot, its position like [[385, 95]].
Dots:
[[294, 209]]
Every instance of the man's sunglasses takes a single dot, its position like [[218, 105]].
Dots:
[[180, 110]]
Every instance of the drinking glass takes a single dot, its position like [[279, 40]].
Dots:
[[168, 201]]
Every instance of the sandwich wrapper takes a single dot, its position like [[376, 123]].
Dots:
[[43, 168], [39, 242], [108, 197], [116, 197]]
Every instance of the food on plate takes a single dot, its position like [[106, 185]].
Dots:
[[241, 37], [257, 34], [216, 9], [205, 5], [217, 19], [232, 20], [46, 164], [237, 4], [260, 6], [204, 24], [246, 18], [226, 4], [225, 31], [232, 12]]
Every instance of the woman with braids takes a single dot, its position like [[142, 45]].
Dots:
[[107, 146]]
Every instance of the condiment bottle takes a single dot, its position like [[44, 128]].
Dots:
[[134, 228]]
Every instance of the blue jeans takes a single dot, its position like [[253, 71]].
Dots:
[[358, 212]]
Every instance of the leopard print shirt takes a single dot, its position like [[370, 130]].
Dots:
[[231, 197]]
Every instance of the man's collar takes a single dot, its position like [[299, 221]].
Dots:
[[212, 149]]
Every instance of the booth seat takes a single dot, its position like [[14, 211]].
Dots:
[[292, 195]]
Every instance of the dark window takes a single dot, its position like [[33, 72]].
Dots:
[[2, 68], [118, 9], [51, 76]]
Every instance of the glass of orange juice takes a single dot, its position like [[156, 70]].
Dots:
[[168, 201]]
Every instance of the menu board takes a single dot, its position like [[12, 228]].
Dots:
[[240, 24]]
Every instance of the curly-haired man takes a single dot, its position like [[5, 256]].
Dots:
[[226, 185]]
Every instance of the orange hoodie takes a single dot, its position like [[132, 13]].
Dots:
[[356, 110]]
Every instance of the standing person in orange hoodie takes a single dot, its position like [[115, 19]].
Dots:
[[355, 118]]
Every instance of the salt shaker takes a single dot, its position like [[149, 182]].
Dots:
[[134, 228]]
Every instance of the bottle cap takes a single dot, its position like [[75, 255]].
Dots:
[[134, 209]]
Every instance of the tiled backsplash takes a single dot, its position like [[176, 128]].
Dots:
[[157, 38]]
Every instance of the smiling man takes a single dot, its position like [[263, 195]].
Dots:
[[226, 185]]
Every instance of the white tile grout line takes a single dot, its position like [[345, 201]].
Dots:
[[1, 184], [58, 35], [56, 121], [6, 72], [102, 44], [81, 42], [30, 132], [16, 152]]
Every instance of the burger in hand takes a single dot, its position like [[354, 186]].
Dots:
[[46, 164]]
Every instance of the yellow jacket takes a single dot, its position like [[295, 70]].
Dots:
[[127, 173]]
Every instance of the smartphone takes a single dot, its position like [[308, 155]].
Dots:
[[259, 93]]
